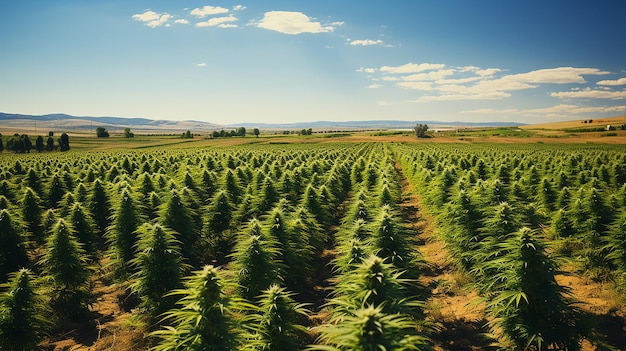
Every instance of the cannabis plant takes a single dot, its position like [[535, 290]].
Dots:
[[66, 272], [22, 322], [276, 322], [530, 310], [12, 250], [158, 271], [370, 329], [254, 262], [203, 318]]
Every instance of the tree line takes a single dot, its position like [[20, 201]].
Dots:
[[22, 143]]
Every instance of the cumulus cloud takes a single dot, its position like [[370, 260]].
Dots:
[[559, 75], [366, 70], [432, 75], [416, 85], [621, 81], [153, 19], [287, 22], [366, 42], [374, 86], [181, 21], [202, 12], [411, 68], [219, 22], [589, 93], [239, 8]]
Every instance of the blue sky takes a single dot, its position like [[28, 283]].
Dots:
[[288, 61]]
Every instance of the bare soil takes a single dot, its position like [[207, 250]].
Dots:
[[460, 322]]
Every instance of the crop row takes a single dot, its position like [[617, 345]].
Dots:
[[230, 248], [508, 217]]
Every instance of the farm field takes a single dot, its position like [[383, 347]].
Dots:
[[481, 241]]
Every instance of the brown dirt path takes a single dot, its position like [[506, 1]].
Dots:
[[451, 306]]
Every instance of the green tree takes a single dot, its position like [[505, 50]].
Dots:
[[39, 144], [50, 144], [255, 131], [102, 132], [64, 142], [128, 133], [420, 130], [241, 131], [22, 322]]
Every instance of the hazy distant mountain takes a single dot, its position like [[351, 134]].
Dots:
[[68, 123], [65, 122]]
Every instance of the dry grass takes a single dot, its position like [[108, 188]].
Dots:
[[616, 121]]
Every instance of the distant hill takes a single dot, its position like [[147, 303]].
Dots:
[[64, 122], [83, 123], [375, 124]]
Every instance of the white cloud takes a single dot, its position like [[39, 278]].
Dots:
[[416, 85], [432, 75], [366, 42], [287, 22], [227, 25], [391, 79], [201, 64], [496, 95], [218, 22], [337, 24], [374, 86], [455, 81], [589, 93], [621, 81], [181, 21], [476, 83], [411, 68], [239, 8], [559, 75], [152, 19], [208, 11], [366, 70]]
